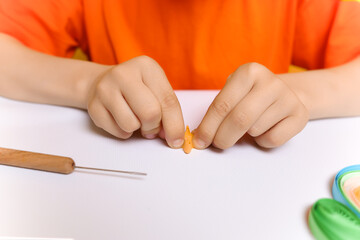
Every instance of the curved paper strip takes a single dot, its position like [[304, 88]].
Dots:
[[329, 219], [346, 188], [188, 145]]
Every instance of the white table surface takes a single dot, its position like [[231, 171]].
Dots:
[[241, 193]]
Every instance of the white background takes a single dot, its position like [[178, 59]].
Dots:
[[241, 193]]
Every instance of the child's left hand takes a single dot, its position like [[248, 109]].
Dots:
[[254, 101]]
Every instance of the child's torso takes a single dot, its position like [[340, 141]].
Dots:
[[197, 42]]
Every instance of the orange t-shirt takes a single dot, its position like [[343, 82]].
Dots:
[[197, 42]]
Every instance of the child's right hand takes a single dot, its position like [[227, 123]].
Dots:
[[136, 95]]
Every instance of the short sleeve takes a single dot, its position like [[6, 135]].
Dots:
[[327, 33], [51, 26]]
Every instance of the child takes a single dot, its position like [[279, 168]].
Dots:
[[242, 47]]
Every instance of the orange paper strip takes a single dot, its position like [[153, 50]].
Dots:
[[188, 145]]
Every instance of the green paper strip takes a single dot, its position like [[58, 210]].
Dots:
[[331, 220]]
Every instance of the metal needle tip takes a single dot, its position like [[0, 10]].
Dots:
[[110, 170]]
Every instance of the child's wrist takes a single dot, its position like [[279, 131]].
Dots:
[[300, 91], [84, 84]]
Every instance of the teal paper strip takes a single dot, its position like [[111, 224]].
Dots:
[[338, 191]]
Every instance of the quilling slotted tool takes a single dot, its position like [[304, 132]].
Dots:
[[46, 162]]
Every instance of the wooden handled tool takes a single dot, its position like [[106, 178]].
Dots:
[[45, 162]]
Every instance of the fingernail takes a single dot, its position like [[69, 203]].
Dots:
[[198, 143], [178, 143], [150, 136]]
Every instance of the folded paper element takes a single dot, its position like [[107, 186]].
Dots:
[[332, 220], [188, 145], [346, 188]]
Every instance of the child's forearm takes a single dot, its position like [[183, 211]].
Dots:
[[333, 92], [32, 76], [120, 99]]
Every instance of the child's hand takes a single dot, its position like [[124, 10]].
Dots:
[[136, 95], [256, 101]]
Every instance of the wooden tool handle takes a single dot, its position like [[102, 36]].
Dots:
[[36, 161]]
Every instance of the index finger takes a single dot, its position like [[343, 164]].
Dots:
[[172, 119], [235, 89]]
